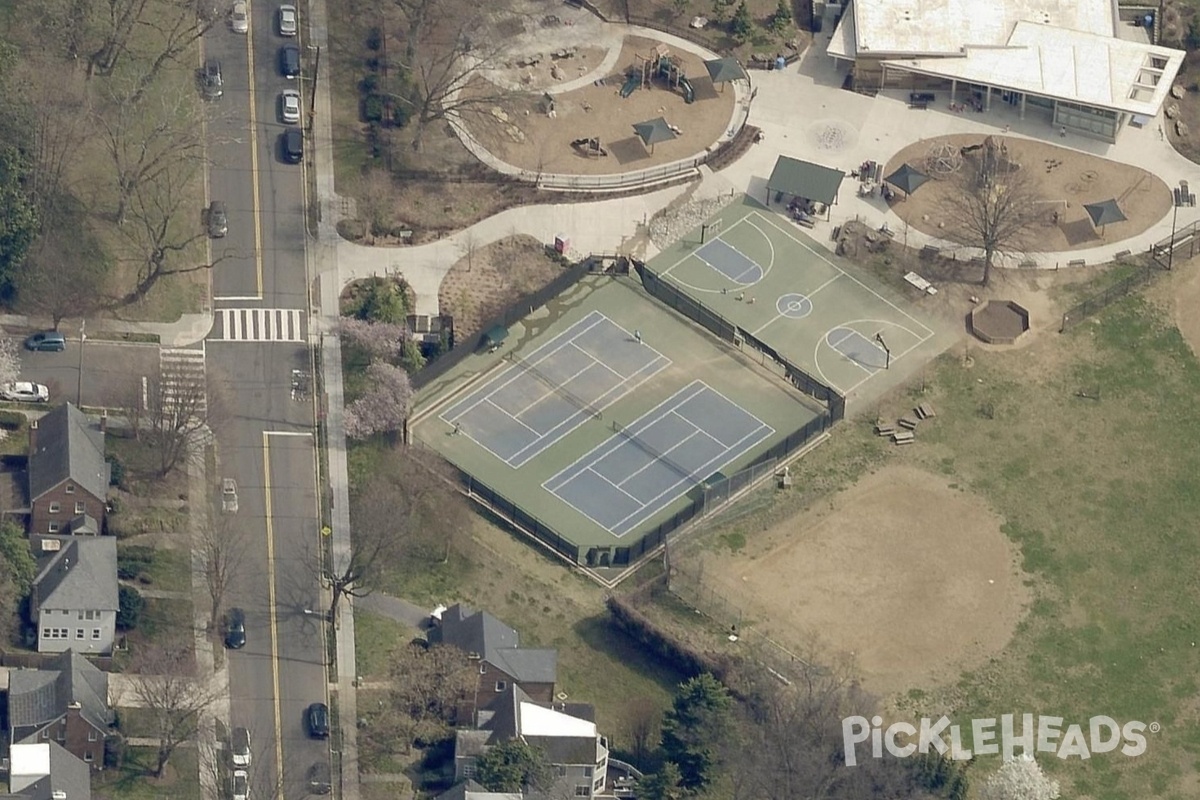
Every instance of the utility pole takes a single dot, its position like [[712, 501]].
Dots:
[[82, 339], [312, 100]]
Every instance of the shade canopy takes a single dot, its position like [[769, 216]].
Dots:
[[654, 131], [1104, 213], [907, 179], [803, 179], [724, 70], [495, 335]]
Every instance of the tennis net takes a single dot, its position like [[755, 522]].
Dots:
[[646, 447], [557, 388]]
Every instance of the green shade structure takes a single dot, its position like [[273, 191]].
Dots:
[[1104, 213], [724, 70], [653, 131], [907, 179]]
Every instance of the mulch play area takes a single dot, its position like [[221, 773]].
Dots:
[[521, 132], [1068, 179]]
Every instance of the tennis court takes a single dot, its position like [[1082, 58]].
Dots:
[[650, 463], [760, 272], [540, 398]]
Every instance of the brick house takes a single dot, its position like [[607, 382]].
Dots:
[[68, 476], [65, 703], [502, 662], [45, 771], [76, 594]]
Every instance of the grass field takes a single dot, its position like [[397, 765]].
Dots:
[[132, 782], [1100, 496]]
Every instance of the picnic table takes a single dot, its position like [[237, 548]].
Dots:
[[916, 280]]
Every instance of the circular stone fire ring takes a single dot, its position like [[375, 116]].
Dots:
[[999, 322]]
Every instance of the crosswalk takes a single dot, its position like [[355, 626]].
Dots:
[[261, 325], [182, 381]]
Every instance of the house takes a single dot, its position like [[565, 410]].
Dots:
[[502, 661], [567, 735], [65, 703], [68, 476], [75, 595], [1076, 65], [45, 771], [470, 790]]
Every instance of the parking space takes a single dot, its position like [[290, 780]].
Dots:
[[102, 374]]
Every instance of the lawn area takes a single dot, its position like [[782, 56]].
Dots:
[[1101, 496], [375, 639], [132, 781], [158, 568], [137, 722]]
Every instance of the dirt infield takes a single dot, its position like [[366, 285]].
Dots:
[[907, 574], [1066, 178]]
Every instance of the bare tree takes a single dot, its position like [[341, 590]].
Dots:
[[218, 556], [174, 415], [64, 275], [167, 687], [448, 45], [179, 25], [148, 143], [994, 209], [10, 360], [643, 723], [377, 197], [429, 686], [159, 234]]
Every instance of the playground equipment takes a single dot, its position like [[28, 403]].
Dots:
[[993, 159], [631, 83], [689, 93], [943, 159], [589, 147]]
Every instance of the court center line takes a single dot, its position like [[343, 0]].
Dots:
[[586, 515], [514, 418], [665, 458], [822, 257]]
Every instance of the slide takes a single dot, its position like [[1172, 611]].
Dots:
[[631, 83], [689, 94]]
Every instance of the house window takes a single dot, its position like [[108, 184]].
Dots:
[[52, 527], [46, 734], [469, 770], [501, 686], [87, 756], [92, 736], [95, 633], [55, 508], [70, 488], [562, 770], [80, 507], [81, 615], [587, 772], [46, 633], [483, 669], [583, 790], [79, 633], [92, 615]]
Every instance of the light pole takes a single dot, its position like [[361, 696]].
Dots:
[[312, 99], [82, 339], [1180, 199]]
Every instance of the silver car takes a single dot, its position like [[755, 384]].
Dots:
[[241, 785], [24, 392], [289, 106], [289, 21], [239, 17]]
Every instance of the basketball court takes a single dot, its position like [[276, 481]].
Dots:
[[756, 269]]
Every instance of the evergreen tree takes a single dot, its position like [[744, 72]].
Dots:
[[699, 720]]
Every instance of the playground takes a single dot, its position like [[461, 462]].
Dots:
[[1066, 178], [589, 130]]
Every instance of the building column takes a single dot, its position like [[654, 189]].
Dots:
[[987, 98], [953, 90], [1022, 114]]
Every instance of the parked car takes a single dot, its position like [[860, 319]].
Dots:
[[289, 61], [241, 785], [24, 392], [292, 145], [51, 341], [316, 719], [239, 17], [235, 629], [229, 500], [289, 106], [239, 746], [212, 83], [288, 21], [319, 781], [218, 219]]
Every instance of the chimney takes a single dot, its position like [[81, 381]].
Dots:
[[33, 427], [104, 421]]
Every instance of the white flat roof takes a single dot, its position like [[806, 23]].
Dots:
[[540, 721], [30, 760], [1066, 65], [943, 27]]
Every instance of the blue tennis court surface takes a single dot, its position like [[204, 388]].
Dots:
[[858, 349], [730, 262], [544, 396], [649, 464]]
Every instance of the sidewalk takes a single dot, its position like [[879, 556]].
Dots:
[[188, 329]]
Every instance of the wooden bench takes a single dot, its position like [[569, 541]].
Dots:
[[885, 430], [903, 437], [919, 105], [1123, 254], [925, 411], [1077, 262], [905, 422], [929, 251], [806, 223]]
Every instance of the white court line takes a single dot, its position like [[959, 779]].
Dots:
[[586, 515], [894, 360], [735, 223], [515, 419], [809, 295], [546, 383], [738, 280], [819, 255], [597, 361], [666, 455], [770, 244]]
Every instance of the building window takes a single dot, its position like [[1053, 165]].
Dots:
[[87, 756], [92, 736], [562, 770], [95, 633], [583, 790], [501, 686], [79, 633], [587, 772], [70, 488], [52, 527], [483, 669], [46, 734], [469, 770], [80, 615], [55, 508], [45, 633], [92, 615], [80, 507]]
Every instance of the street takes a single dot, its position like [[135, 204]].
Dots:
[[112, 373]]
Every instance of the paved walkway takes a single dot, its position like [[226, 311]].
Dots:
[[394, 608]]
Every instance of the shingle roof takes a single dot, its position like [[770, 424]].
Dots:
[[39, 696], [68, 776], [82, 575], [496, 643], [68, 446], [805, 179], [470, 790]]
